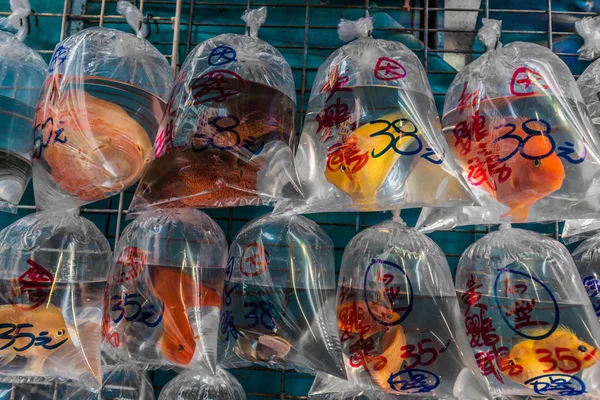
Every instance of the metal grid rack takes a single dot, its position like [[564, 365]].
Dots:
[[305, 40]]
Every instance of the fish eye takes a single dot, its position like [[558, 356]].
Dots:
[[582, 349], [60, 332], [180, 348], [511, 363], [343, 168], [537, 163]]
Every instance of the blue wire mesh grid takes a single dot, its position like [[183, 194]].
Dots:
[[305, 32]]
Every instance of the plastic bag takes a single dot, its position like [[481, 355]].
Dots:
[[192, 385], [517, 125], [163, 299], [228, 132], [586, 258], [22, 74], [371, 138], [97, 117], [399, 320], [52, 281], [530, 323], [279, 298], [120, 383]]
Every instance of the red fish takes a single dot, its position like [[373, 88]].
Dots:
[[178, 292]]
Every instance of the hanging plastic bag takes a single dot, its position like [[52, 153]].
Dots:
[[120, 383], [530, 323], [279, 298], [587, 257], [399, 320], [589, 85], [517, 125], [228, 133], [53, 277], [371, 138], [97, 117], [22, 74], [192, 385], [163, 299]]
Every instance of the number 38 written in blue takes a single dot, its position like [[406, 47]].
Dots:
[[262, 312]]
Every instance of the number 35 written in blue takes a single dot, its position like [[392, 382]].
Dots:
[[142, 312]]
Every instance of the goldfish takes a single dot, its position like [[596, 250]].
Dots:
[[562, 352], [178, 292], [353, 317], [93, 148], [502, 162], [45, 319], [359, 163]]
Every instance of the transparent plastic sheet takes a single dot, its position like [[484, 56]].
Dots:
[[517, 125], [279, 298], [579, 229], [529, 320], [227, 136], [163, 298], [587, 260], [52, 282], [22, 74], [399, 321], [120, 383], [97, 117], [192, 385], [371, 138], [589, 29]]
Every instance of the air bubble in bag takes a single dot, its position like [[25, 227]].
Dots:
[[517, 125], [399, 321], [52, 282], [227, 136], [97, 117], [163, 298], [529, 321], [22, 74], [372, 138], [193, 385], [279, 298]]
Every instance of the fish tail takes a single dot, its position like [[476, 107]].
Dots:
[[518, 214]]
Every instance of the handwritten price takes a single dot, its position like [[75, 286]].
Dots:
[[12, 333]]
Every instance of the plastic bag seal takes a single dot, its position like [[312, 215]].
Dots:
[[489, 33], [361, 28], [134, 17], [18, 18], [589, 29], [254, 20]]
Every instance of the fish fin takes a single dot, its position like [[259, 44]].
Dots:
[[565, 329], [534, 331], [35, 365], [517, 214], [6, 360]]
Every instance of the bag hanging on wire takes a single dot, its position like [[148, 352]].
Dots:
[[54, 268], [163, 298], [22, 73], [399, 321], [279, 298], [227, 136], [517, 125], [530, 324], [98, 114], [371, 138]]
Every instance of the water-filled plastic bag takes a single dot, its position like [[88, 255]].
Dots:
[[529, 321], [193, 385], [120, 383], [279, 298], [587, 260], [52, 282], [97, 117], [517, 125], [227, 136], [399, 321], [371, 138], [22, 74], [163, 298]]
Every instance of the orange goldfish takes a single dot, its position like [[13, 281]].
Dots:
[[359, 163], [93, 147], [562, 352], [353, 317], [502, 161], [178, 292], [48, 319]]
